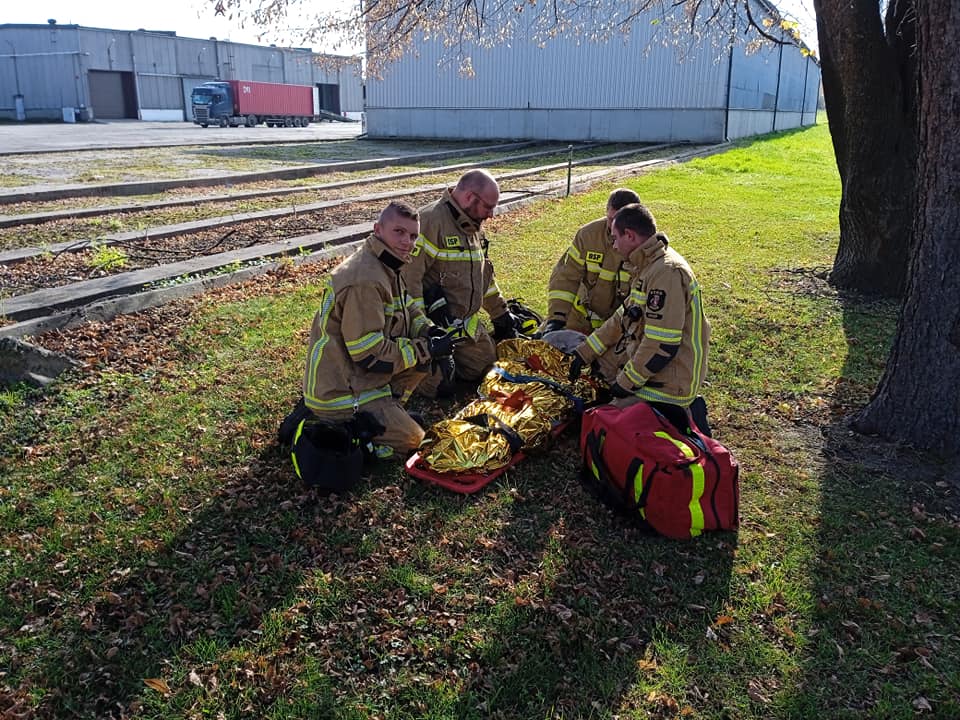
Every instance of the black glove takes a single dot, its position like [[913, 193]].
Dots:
[[505, 327], [436, 306], [576, 367], [619, 392], [441, 346], [552, 325]]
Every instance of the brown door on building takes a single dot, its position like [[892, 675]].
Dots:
[[112, 94]]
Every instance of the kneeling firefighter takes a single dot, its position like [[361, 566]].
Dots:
[[369, 345], [451, 274]]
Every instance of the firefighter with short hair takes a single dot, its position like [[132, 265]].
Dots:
[[589, 282], [451, 278], [655, 346], [370, 345]]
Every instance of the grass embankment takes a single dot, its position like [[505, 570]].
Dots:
[[160, 560]]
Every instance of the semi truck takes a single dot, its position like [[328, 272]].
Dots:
[[245, 102]]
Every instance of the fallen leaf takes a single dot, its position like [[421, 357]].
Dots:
[[158, 684], [922, 704]]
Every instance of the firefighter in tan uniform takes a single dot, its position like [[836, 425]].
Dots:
[[590, 281], [654, 347], [451, 278], [370, 345]]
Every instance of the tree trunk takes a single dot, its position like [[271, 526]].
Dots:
[[918, 399], [868, 85]]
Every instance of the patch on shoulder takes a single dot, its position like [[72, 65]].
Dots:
[[656, 299], [451, 241]]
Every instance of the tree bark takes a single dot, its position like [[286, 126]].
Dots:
[[869, 88], [918, 399]]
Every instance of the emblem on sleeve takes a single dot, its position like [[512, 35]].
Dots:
[[656, 299], [452, 241], [595, 257]]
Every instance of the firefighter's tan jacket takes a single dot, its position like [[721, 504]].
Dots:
[[661, 328], [366, 331], [590, 278], [451, 253]]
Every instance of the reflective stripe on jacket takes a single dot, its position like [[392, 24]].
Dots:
[[661, 327], [589, 277], [366, 331], [451, 254]]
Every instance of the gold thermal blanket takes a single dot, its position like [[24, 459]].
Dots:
[[529, 408]]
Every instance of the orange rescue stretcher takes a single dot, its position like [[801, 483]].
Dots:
[[526, 399]]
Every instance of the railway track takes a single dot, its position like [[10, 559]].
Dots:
[[193, 257]]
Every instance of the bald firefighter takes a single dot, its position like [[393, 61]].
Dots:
[[589, 282], [451, 278], [370, 345], [655, 346]]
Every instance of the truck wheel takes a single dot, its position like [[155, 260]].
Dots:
[[306, 122], [204, 124], [251, 120], [224, 122], [288, 122]]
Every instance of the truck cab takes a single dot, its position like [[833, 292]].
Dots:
[[212, 103]]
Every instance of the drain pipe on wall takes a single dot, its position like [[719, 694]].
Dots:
[[726, 114]]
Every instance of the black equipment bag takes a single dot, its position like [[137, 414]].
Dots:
[[330, 456]]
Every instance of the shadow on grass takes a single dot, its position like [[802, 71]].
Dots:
[[883, 634], [526, 600]]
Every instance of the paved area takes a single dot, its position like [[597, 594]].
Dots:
[[61, 137]]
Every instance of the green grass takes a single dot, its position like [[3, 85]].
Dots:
[[150, 529]]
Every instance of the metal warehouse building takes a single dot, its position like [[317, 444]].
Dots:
[[57, 72], [641, 86]]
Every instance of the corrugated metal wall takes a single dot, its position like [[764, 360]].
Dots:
[[160, 62], [644, 86], [45, 66]]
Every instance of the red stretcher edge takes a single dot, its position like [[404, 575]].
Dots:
[[467, 483]]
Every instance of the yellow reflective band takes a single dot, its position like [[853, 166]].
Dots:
[[609, 275], [562, 295], [418, 323], [293, 455], [632, 375], [428, 247], [344, 402], [316, 352], [594, 344], [407, 352], [574, 255], [638, 486], [664, 335], [471, 325], [696, 512], [699, 485], [638, 297], [360, 346], [648, 393], [696, 340], [596, 322]]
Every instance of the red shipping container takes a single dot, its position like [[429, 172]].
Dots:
[[271, 99]]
